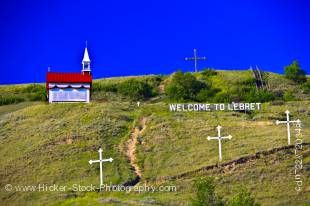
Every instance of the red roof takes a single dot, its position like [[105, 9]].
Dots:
[[59, 77]]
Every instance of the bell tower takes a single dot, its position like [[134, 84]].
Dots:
[[86, 62]]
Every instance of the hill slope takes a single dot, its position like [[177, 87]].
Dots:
[[52, 144]]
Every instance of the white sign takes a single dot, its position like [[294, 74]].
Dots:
[[211, 107]]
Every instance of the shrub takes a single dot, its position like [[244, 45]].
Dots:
[[244, 198], [207, 94], [184, 86], [98, 87], [205, 193], [154, 81], [223, 97], [35, 92], [249, 82], [206, 196], [34, 88], [306, 87], [38, 96], [288, 95], [277, 102], [278, 94], [209, 72], [10, 100], [259, 96], [295, 73], [135, 89]]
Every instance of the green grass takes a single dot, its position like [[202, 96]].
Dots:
[[14, 94], [52, 144], [173, 141]]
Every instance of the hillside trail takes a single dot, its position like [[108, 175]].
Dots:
[[131, 145]]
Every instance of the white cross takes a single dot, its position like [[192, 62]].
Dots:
[[138, 104], [195, 58], [100, 161], [287, 122], [219, 138]]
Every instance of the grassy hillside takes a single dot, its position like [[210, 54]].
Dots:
[[52, 144]]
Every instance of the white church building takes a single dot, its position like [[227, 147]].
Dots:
[[70, 87]]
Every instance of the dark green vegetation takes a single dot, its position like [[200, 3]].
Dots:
[[51, 144], [130, 88], [206, 86], [213, 86], [185, 86], [295, 73], [16, 94], [206, 195]]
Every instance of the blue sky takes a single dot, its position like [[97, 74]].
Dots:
[[150, 37]]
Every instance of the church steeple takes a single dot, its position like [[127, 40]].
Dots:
[[86, 62]]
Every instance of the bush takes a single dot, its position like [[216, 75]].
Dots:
[[135, 89], [206, 196], [35, 92], [244, 198], [288, 95], [39, 96], [295, 73], [223, 97], [101, 87], [184, 86], [250, 82], [10, 100], [205, 193], [154, 81], [34, 88], [259, 96], [306, 87], [207, 94], [277, 102], [209, 72]]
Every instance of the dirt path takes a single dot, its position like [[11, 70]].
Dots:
[[131, 145]]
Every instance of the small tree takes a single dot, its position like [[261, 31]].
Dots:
[[135, 89], [205, 193], [244, 198], [209, 72], [184, 86], [306, 87], [295, 73]]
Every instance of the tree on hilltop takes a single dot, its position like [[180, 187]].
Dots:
[[295, 73]]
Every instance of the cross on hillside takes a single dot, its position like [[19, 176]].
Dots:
[[219, 138], [195, 58], [100, 161], [287, 122]]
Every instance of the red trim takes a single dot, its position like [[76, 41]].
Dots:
[[69, 86]]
